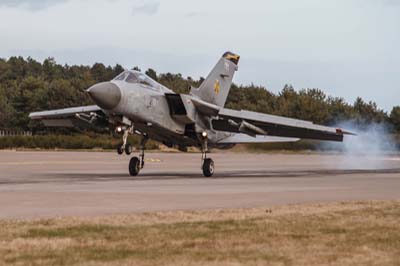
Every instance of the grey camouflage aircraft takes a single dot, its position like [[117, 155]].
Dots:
[[133, 103]]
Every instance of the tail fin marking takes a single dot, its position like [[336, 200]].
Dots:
[[215, 88]]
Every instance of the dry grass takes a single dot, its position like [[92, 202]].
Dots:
[[356, 233]]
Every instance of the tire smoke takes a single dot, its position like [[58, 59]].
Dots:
[[369, 149]]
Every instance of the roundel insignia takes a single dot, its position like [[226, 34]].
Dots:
[[217, 86]]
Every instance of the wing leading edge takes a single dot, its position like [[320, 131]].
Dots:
[[82, 117]]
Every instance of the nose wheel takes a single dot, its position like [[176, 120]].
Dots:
[[120, 150], [128, 149], [125, 146]]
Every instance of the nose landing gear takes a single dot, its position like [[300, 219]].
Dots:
[[207, 163], [125, 147], [136, 163]]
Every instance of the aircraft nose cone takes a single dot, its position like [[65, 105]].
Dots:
[[107, 95]]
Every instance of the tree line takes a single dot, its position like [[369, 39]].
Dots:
[[27, 85]]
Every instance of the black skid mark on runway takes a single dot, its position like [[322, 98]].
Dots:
[[302, 173], [126, 177], [69, 178], [221, 175], [270, 174]]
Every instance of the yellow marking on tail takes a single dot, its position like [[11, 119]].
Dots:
[[217, 87]]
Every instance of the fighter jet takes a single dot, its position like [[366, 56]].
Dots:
[[133, 103]]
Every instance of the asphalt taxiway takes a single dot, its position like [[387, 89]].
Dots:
[[51, 184]]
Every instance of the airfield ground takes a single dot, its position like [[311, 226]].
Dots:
[[82, 208], [357, 233], [49, 184]]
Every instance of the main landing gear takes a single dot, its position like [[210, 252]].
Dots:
[[137, 163], [207, 163]]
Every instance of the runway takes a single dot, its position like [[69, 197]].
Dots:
[[52, 184]]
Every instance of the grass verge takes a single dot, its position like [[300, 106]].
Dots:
[[355, 233]]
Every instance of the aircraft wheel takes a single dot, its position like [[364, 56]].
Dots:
[[134, 166], [208, 167], [120, 150], [128, 149]]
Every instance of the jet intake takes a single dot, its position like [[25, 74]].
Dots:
[[180, 108]]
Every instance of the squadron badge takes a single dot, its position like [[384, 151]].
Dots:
[[216, 87]]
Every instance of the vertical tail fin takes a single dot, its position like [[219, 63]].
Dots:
[[215, 88]]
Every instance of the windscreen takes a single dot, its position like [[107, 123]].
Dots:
[[136, 77], [121, 76]]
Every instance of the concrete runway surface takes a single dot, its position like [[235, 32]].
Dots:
[[52, 184]]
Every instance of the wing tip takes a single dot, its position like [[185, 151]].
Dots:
[[345, 132], [34, 116]]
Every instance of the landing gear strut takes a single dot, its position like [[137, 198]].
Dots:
[[125, 147], [136, 164], [207, 163]]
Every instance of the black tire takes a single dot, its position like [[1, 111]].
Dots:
[[120, 150], [134, 166], [128, 149], [208, 167]]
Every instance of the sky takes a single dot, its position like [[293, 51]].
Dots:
[[347, 48]]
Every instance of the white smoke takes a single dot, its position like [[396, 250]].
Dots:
[[368, 149]]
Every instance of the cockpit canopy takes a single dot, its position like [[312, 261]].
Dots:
[[136, 77]]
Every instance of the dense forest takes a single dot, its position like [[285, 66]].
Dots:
[[27, 85]]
